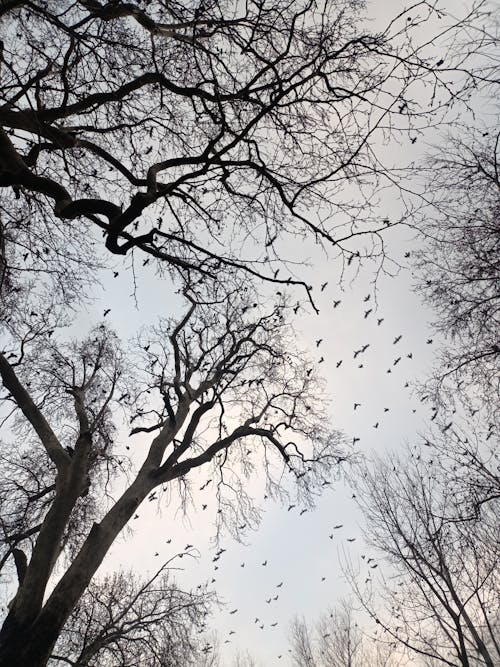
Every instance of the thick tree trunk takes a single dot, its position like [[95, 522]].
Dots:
[[28, 642]]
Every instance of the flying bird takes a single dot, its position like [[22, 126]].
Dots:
[[397, 339]]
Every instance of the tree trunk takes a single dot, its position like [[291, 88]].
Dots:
[[28, 642]]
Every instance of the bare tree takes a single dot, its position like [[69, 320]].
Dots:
[[458, 267], [222, 388], [244, 660], [198, 135], [438, 595], [338, 639], [203, 132], [302, 649], [121, 620]]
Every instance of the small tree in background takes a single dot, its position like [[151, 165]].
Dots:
[[121, 620]]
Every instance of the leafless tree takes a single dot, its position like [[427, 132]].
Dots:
[[198, 134], [121, 620], [458, 267], [203, 132], [222, 388], [244, 660], [438, 594], [338, 639]]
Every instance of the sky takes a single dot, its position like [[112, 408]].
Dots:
[[303, 563], [296, 548]]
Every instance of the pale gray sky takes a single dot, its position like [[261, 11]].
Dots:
[[297, 548]]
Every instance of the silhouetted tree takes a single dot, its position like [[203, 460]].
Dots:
[[199, 134], [438, 594], [338, 639], [222, 388], [203, 132], [459, 266], [121, 620]]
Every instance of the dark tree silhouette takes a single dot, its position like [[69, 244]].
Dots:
[[338, 640], [202, 133], [121, 620], [438, 593], [459, 266], [222, 388]]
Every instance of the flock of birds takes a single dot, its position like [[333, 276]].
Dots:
[[268, 618]]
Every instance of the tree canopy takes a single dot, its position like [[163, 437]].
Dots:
[[197, 137]]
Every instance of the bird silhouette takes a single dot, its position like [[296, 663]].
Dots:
[[108, 310], [379, 321], [323, 287], [357, 405], [367, 312], [336, 303], [397, 339], [338, 363]]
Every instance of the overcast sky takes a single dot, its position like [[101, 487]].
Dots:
[[299, 553], [297, 547]]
